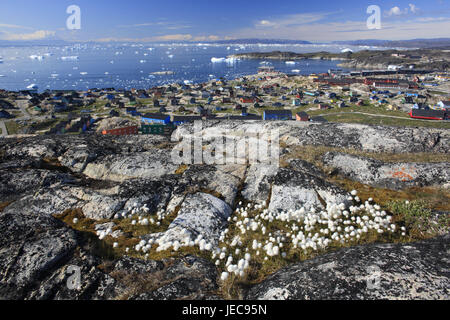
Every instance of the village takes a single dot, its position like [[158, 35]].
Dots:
[[398, 97]]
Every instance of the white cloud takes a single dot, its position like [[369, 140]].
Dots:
[[37, 35], [413, 8], [292, 20], [265, 23], [169, 37], [425, 27], [161, 24], [13, 26], [396, 11], [206, 38]]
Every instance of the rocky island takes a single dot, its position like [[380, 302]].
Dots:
[[428, 59]]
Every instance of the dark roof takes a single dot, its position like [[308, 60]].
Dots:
[[5, 114], [279, 112], [302, 114], [159, 116], [185, 118], [428, 113], [243, 118]]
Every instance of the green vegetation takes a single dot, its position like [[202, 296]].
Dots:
[[418, 218], [12, 127], [386, 121]]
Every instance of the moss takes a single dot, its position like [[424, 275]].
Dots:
[[181, 169], [86, 229], [3, 205]]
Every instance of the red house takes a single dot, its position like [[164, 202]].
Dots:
[[428, 114], [121, 131]]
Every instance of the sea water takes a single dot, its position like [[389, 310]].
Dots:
[[142, 66]]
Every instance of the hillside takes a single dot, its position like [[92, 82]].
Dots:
[[141, 226]]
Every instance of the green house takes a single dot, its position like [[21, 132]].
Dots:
[[157, 129]]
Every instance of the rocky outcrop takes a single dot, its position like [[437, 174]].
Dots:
[[200, 214], [292, 190], [189, 278], [380, 271], [340, 135], [104, 176], [389, 175]]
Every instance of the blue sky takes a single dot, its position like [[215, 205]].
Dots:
[[201, 20]]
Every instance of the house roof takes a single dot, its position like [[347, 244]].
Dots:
[[278, 112], [302, 114], [158, 116], [185, 118], [247, 117], [428, 113]]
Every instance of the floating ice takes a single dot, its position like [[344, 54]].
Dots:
[[347, 50], [33, 86], [290, 62], [36, 57], [69, 58], [83, 73], [226, 60]]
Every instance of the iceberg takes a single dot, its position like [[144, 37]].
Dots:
[[33, 87], [347, 50], [83, 73], [36, 57], [217, 60], [296, 70], [290, 62], [69, 58], [226, 60]]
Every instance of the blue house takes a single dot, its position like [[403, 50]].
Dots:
[[155, 118], [277, 115]]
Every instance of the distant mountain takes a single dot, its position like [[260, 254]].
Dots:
[[415, 43], [8, 43], [262, 41]]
